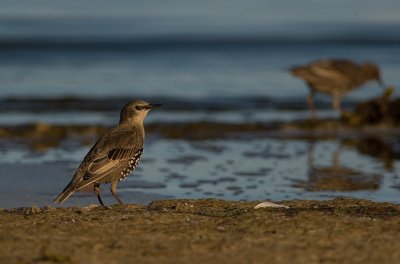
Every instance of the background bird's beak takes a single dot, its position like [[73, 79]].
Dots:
[[154, 105], [381, 84]]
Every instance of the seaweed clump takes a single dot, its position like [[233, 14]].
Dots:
[[382, 110]]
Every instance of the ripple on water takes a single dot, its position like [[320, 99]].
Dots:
[[189, 185], [140, 184], [176, 176], [261, 172], [187, 159]]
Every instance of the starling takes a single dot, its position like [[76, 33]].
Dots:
[[335, 77], [115, 154]]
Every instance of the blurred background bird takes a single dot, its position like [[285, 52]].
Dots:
[[335, 77]]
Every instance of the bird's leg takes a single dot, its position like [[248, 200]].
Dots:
[[336, 102], [114, 192], [336, 158], [311, 105], [96, 188]]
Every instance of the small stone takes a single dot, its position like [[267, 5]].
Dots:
[[32, 210]]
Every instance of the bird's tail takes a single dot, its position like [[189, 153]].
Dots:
[[66, 193]]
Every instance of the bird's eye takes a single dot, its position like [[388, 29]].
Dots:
[[139, 108]]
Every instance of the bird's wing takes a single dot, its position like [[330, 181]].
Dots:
[[317, 73], [112, 151], [106, 163], [330, 71]]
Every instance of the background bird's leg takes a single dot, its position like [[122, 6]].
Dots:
[[97, 192], [336, 102], [311, 105], [114, 192]]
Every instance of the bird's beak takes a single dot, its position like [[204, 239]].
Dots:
[[154, 105]]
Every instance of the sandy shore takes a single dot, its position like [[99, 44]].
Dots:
[[201, 231]]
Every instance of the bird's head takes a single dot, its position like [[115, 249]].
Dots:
[[372, 72], [136, 111]]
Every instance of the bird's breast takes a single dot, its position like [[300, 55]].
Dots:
[[132, 163]]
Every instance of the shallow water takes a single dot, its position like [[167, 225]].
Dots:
[[256, 169]]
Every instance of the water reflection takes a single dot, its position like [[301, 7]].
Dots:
[[336, 177], [385, 150]]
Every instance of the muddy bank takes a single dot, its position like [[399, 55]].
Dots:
[[179, 231], [374, 117], [302, 129]]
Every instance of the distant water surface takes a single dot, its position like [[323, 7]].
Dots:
[[230, 48]]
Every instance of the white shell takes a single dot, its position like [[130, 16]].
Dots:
[[269, 204]]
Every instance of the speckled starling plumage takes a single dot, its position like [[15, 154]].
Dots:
[[115, 154]]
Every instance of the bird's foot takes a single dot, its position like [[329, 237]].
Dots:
[[313, 116]]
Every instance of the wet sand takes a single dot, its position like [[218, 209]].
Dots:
[[198, 231]]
